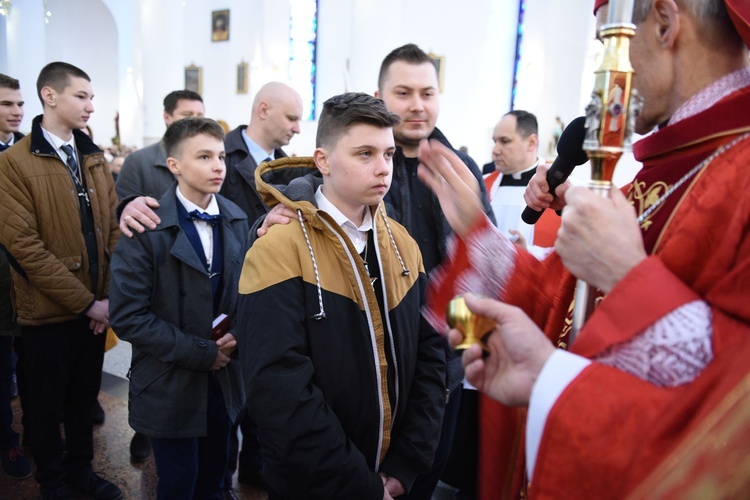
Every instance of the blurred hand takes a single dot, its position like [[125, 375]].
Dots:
[[138, 214], [453, 183]]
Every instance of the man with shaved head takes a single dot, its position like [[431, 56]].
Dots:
[[276, 113]]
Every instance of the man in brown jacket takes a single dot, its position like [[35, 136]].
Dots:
[[57, 220]]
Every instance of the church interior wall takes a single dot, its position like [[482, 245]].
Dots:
[[136, 52]]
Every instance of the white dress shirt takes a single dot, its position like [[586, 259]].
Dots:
[[205, 230]]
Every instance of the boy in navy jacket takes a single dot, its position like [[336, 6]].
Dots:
[[169, 285]]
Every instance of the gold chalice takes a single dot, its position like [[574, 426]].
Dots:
[[473, 326]]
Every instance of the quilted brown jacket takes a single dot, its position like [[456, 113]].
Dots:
[[40, 225]]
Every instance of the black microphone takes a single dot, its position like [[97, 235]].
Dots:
[[570, 154]]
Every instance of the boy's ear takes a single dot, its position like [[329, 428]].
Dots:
[[320, 155], [49, 96], [174, 165]]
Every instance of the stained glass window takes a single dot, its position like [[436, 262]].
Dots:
[[303, 36]]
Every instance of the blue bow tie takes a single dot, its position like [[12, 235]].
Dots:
[[198, 215]]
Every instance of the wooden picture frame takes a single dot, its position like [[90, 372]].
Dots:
[[439, 62], [220, 25], [194, 78], [242, 77]]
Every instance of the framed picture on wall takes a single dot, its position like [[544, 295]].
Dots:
[[439, 62], [220, 25], [242, 77], [194, 78]]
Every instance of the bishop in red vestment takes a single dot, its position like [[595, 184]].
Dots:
[[677, 279]]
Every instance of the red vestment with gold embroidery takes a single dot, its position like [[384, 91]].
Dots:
[[699, 241]]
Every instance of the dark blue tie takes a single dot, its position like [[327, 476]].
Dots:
[[267, 160], [198, 215], [71, 161], [3, 147]]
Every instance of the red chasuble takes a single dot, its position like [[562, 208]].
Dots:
[[643, 441], [699, 241]]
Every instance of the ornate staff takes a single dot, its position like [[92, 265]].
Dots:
[[610, 120]]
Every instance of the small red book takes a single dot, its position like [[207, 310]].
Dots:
[[220, 326]]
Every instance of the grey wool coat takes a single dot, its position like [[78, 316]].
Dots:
[[144, 173], [160, 301]]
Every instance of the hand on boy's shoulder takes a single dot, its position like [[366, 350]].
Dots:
[[138, 214], [280, 214]]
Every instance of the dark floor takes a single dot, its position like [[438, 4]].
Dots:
[[111, 452]]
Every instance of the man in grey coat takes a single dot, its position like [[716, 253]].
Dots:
[[145, 171]]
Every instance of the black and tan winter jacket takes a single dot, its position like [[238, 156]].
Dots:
[[40, 225], [338, 396]]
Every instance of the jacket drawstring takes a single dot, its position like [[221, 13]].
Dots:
[[404, 271], [320, 314]]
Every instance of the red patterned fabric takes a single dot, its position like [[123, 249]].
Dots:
[[611, 435]]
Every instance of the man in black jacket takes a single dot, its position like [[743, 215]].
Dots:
[[275, 119], [408, 83]]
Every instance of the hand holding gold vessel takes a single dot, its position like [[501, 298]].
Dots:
[[474, 327]]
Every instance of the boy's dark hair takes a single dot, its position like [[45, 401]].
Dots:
[[343, 111], [408, 53], [7, 82], [57, 75], [526, 123], [187, 128], [170, 102]]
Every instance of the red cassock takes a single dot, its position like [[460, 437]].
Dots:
[[699, 241]]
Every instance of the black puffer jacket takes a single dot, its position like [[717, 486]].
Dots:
[[338, 396]]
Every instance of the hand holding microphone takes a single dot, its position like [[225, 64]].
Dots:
[[570, 154]]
